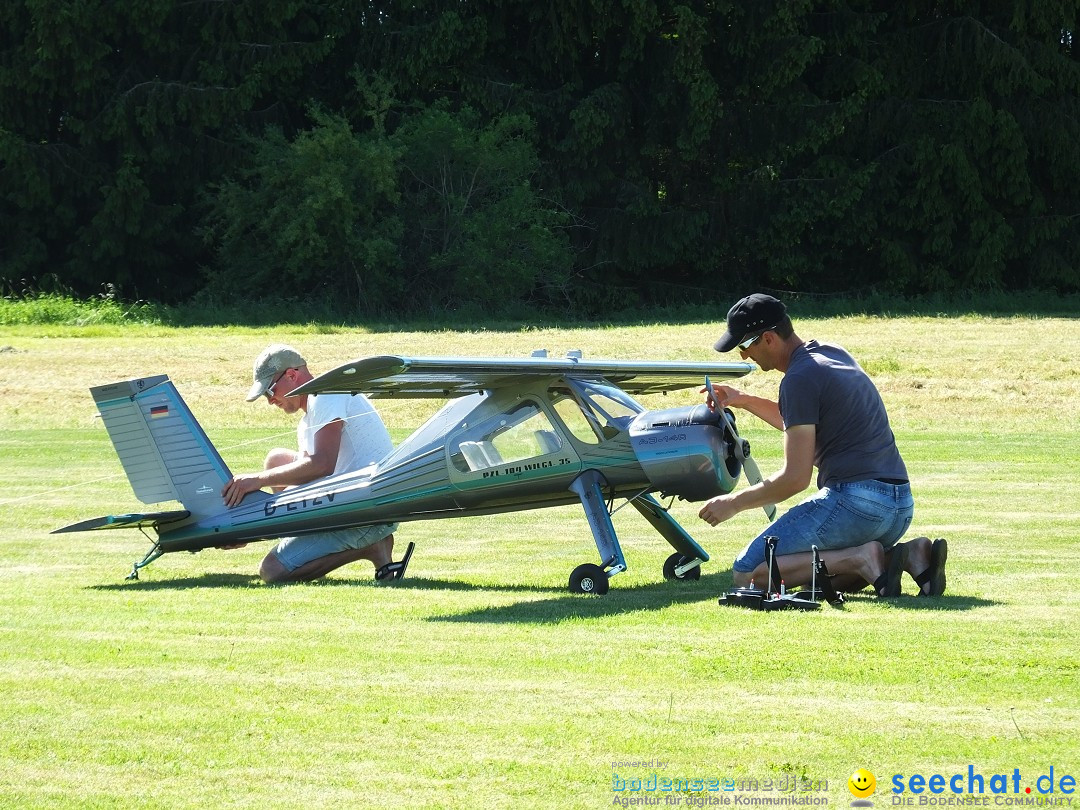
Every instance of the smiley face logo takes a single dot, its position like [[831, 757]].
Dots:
[[861, 783]]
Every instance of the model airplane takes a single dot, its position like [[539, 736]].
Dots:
[[515, 434]]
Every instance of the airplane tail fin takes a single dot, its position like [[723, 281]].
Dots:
[[161, 446]]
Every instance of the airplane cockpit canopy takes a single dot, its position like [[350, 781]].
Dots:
[[606, 407]]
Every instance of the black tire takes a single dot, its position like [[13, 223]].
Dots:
[[589, 578], [675, 560]]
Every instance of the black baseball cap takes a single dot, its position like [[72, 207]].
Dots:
[[755, 313]]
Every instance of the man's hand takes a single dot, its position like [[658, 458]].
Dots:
[[721, 396], [238, 486], [718, 510], [791, 479]]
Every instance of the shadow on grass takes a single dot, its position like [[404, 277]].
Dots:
[[423, 584], [184, 583], [568, 606], [948, 602], [254, 581], [560, 605], [661, 595]]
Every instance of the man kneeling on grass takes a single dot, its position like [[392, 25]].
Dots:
[[337, 433], [833, 418]]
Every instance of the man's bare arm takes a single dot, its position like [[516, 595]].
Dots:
[[792, 478], [306, 468], [724, 396]]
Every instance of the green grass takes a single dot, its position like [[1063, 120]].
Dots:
[[479, 681]]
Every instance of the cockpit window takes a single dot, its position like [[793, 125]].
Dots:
[[581, 426], [612, 405], [522, 432], [593, 411]]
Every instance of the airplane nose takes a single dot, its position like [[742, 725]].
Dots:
[[683, 452]]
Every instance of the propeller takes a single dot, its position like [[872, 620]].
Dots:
[[741, 445]]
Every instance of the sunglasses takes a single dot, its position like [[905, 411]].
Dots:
[[746, 344], [270, 388], [750, 341]]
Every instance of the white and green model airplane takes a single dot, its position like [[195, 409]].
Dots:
[[515, 434]]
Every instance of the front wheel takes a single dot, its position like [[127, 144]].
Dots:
[[674, 561], [589, 578]]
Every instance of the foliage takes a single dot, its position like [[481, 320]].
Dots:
[[74, 314], [310, 217], [971, 185], [37, 307], [114, 115], [441, 210], [479, 230], [624, 151]]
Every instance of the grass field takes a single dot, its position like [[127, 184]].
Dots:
[[479, 682]]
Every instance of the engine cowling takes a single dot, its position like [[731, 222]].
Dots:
[[684, 452]]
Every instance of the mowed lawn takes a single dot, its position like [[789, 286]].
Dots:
[[479, 681]]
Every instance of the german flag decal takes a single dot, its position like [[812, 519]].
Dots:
[[159, 410]]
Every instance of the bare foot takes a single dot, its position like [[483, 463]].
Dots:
[[872, 561], [919, 559], [382, 552]]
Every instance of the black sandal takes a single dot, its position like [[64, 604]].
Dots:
[[934, 575], [888, 584], [395, 570]]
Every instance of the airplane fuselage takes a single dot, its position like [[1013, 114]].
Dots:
[[491, 453]]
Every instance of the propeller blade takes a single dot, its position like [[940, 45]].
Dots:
[[753, 475], [750, 467]]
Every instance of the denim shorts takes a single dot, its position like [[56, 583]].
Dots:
[[840, 516], [292, 552]]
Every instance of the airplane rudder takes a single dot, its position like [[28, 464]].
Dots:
[[163, 449]]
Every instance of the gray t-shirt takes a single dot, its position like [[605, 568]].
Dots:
[[824, 386]]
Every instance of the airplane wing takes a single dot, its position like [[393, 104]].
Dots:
[[444, 377]]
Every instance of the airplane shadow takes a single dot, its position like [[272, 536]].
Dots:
[[184, 583], [423, 584], [254, 581], [656, 596], [660, 595], [560, 605]]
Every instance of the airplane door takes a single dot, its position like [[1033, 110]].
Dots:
[[518, 442]]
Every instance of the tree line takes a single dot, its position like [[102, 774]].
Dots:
[[410, 156]]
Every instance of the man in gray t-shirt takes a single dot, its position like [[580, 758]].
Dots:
[[825, 387], [832, 417]]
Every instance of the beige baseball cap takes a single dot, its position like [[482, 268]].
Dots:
[[274, 359]]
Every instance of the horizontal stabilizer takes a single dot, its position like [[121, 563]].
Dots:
[[137, 521]]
